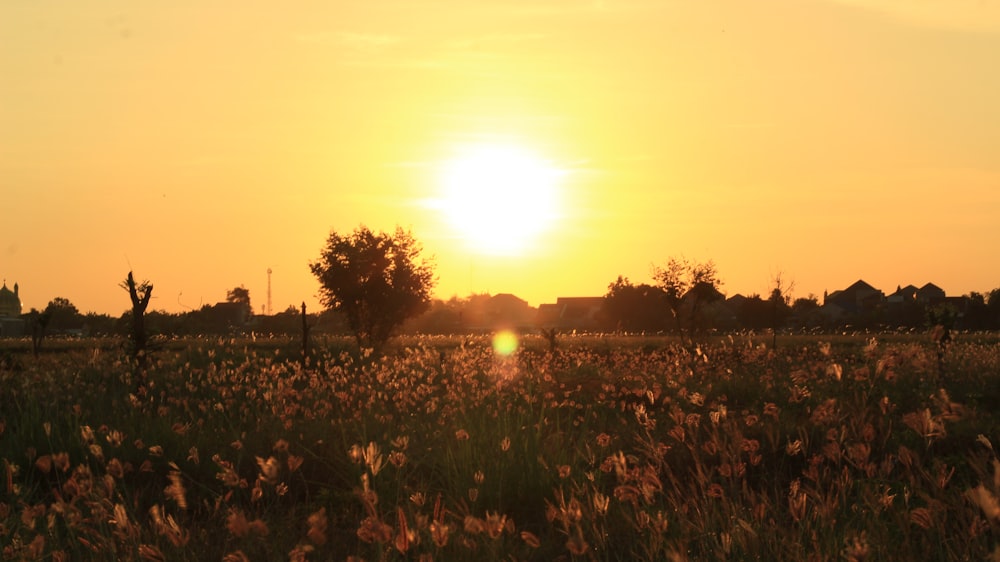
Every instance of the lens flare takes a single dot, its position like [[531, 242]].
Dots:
[[505, 342]]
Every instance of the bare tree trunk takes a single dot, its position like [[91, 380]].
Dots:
[[140, 295]]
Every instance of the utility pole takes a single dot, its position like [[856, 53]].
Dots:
[[269, 310]]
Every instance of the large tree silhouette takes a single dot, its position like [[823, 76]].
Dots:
[[634, 308], [376, 280], [687, 287]]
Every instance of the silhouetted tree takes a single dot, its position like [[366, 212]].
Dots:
[[993, 304], [240, 295], [779, 298], [38, 323], [806, 312], [140, 293], [442, 317], [754, 313], [977, 314], [63, 315], [688, 286], [375, 280], [634, 308]]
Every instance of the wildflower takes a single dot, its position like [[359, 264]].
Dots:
[[237, 523], [564, 471], [401, 442], [793, 448], [474, 525], [268, 470], [626, 493], [601, 503], [505, 444], [439, 533], [168, 527], [677, 432], [530, 539], [373, 530], [259, 528], [356, 454], [151, 553], [986, 501], [710, 447], [796, 501], [123, 526], [317, 522], [576, 545], [175, 490], [373, 458], [924, 424], [495, 524], [237, 556], [856, 548], [462, 435], [922, 517], [715, 491], [886, 499], [193, 455], [418, 498], [280, 446], [603, 440], [397, 458], [115, 438]]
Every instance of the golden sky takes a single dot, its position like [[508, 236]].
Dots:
[[200, 144]]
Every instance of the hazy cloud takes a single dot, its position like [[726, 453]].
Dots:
[[366, 42], [493, 40], [973, 15]]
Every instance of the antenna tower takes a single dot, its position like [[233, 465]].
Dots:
[[269, 311]]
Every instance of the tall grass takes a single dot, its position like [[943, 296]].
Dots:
[[607, 449]]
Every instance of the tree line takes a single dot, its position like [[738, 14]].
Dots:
[[376, 284]]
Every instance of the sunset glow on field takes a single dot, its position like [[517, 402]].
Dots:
[[539, 149]]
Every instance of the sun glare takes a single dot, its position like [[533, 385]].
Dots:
[[499, 198]]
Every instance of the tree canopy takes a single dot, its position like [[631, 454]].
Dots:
[[687, 286], [377, 280]]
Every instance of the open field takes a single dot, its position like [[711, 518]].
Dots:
[[611, 448]]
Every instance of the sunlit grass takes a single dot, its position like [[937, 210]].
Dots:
[[609, 449]]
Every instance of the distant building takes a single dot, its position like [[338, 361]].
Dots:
[[857, 298], [930, 294], [903, 295], [571, 313], [11, 324], [10, 302]]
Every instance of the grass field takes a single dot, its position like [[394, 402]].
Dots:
[[610, 448]]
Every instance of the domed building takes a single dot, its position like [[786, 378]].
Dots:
[[10, 312], [10, 302]]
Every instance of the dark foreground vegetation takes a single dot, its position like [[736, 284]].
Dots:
[[826, 448]]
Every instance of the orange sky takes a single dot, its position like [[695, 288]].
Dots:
[[829, 140]]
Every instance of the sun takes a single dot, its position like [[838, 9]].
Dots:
[[499, 198]]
